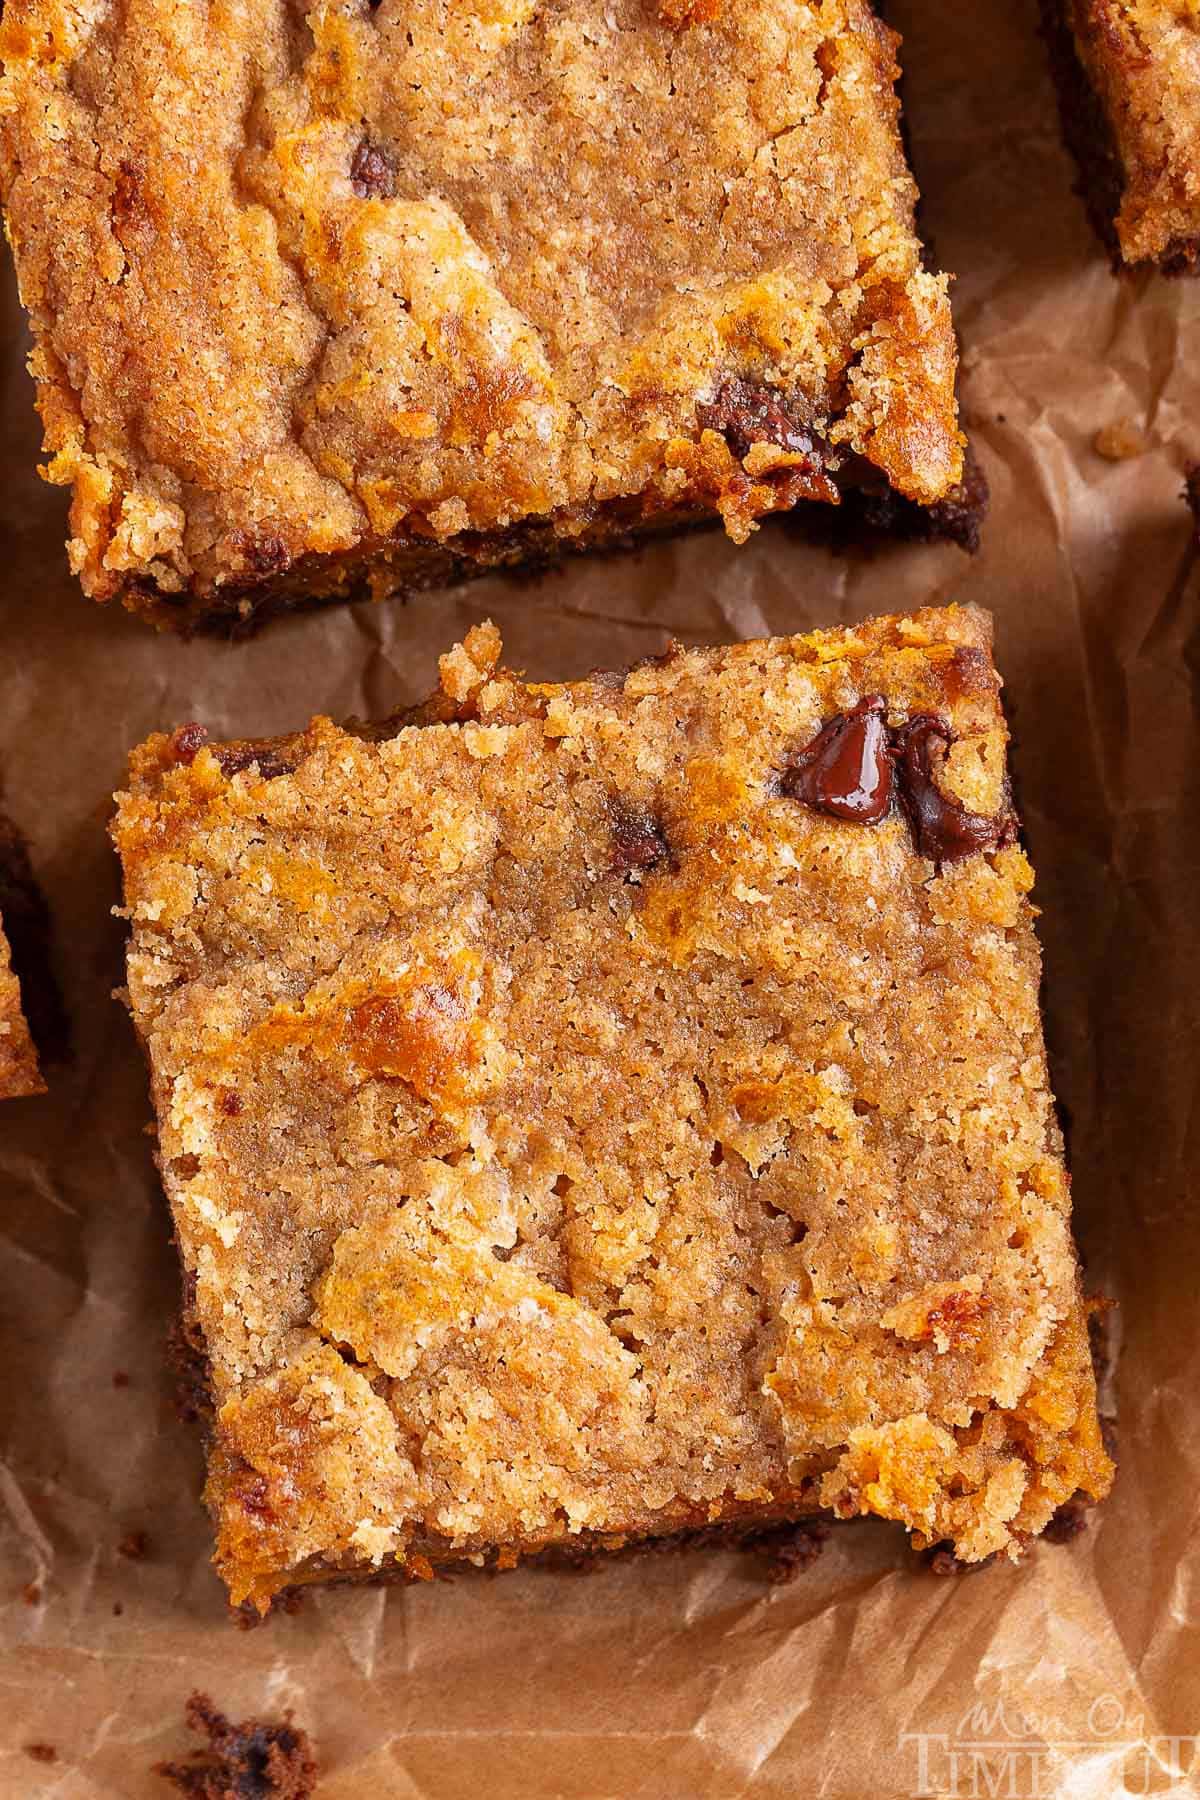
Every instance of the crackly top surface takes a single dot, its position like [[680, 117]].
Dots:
[[19, 1074], [570, 1128], [304, 279], [1143, 57]]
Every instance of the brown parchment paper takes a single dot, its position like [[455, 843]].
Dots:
[[669, 1677]]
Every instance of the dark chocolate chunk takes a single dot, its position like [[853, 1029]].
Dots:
[[639, 842], [752, 412], [846, 771], [943, 829], [256, 1760], [372, 172]]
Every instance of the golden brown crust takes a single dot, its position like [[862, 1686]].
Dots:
[[19, 1072], [576, 1135], [418, 273], [1142, 58]]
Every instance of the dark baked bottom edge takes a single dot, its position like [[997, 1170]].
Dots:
[[1090, 139], [868, 516]]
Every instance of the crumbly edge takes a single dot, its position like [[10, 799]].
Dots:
[[768, 1531], [1090, 137]]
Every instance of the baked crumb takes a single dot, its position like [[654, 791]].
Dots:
[[370, 298], [645, 1122], [1121, 441], [256, 1760]]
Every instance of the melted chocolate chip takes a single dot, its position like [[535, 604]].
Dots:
[[846, 771], [943, 829], [372, 172], [639, 842], [752, 412]]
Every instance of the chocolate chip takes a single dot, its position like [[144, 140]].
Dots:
[[747, 412], [639, 842], [943, 828], [186, 741], [846, 771], [372, 172]]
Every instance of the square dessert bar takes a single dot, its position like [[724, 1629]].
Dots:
[[19, 1072], [1129, 81], [593, 1112], [369, 296]]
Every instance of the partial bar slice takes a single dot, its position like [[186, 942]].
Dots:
[[1128, 75], [360, 298], [19, 1072], [24, 932], [591, 1112]]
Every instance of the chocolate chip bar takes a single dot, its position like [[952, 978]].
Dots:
[[1129, 83], [380, 295], [600, 1111]]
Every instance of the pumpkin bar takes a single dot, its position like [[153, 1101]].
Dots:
[[376, 294], [599, 1111], [1129, 83]]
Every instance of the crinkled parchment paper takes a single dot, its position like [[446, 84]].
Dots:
[[674, 1677]]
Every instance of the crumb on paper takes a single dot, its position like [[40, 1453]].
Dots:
[[256, 1760], [796, 1552], [1121, 441]]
